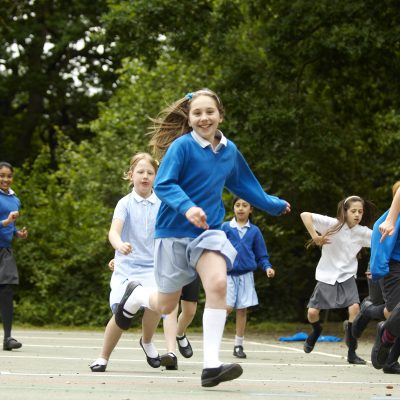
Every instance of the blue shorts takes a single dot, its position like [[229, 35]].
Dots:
[[241, 292], [175, 259]]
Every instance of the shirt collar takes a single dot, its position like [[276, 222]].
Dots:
[[9, 193], [234, 224], [152, 198], [204, 143]]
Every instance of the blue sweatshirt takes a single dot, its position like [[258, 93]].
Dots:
[[251, 249], [383, 253], [190, 176], [8, 202]]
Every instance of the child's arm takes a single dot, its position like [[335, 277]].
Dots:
[[114, 236], [319, 240], [387, 227]]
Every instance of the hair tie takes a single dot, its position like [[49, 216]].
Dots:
[[189, 96], [351, 197]]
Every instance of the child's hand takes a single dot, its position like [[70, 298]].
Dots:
[[125, 248], [197, 217], [287, 209], [22, 233], [111, 265], [321, 240], [270, 272], [386, 228], [11, 218]]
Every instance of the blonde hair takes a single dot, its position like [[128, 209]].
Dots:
[[173, 121], [395, 187], [134, 162]]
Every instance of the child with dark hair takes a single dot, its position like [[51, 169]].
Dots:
[[9, 212], [252, 254]]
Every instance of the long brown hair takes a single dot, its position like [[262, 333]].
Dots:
[[342, 207], [173, 121]]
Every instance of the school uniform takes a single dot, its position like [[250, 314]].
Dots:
[[252, 253], [8, 268], [139, 216], [182, 182], [337, 268]]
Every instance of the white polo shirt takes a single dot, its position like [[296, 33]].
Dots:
[[338, 260]]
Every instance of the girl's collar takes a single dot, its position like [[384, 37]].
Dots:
[[9, 193]]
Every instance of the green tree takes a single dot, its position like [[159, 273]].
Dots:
[[54, 68]]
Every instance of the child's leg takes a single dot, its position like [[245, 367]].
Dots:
[[241, 319], [186, 316], [313, 318], [112, 334], [170, 330], [352, 357], [6, 303], [211, 268], [150, 322], [137, 296]]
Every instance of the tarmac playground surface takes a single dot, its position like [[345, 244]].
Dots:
[[53, 364]]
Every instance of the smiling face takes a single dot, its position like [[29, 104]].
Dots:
[[142, 178], [6, 178], [354, 213], [204, 117], [242, 210]]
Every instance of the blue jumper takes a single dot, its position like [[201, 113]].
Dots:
[[383, 253], [190, 175], [251, 249], [8, 202]]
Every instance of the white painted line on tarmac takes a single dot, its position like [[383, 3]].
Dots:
[[175, 377]]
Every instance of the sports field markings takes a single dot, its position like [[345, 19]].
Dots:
[[176, 377]]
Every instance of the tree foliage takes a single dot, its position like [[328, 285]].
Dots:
[[54, 68]]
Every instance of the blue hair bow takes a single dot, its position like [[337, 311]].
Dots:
[[189, 96]]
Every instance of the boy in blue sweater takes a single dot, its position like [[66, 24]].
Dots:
[[199, 162], [249, 243], [9, 212]]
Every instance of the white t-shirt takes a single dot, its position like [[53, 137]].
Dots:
[[338, 260]]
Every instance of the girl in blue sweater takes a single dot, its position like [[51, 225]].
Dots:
[[251, 253], [9, 212], [198, 162]]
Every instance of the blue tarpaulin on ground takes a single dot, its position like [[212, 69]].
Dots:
[[301, 336]]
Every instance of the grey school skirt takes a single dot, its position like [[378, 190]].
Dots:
[[8, 267], [339, 295]]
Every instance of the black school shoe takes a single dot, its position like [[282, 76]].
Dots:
[[380, 351], [121, 320], [169, 361], [96, 367], [214, 376], [393, 368], [238, 352], [154, 362], [355, 359], [11, 344], [186, 351]]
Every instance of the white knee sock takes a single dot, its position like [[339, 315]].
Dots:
[[239, 341], [139, 297], [213, 329]]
